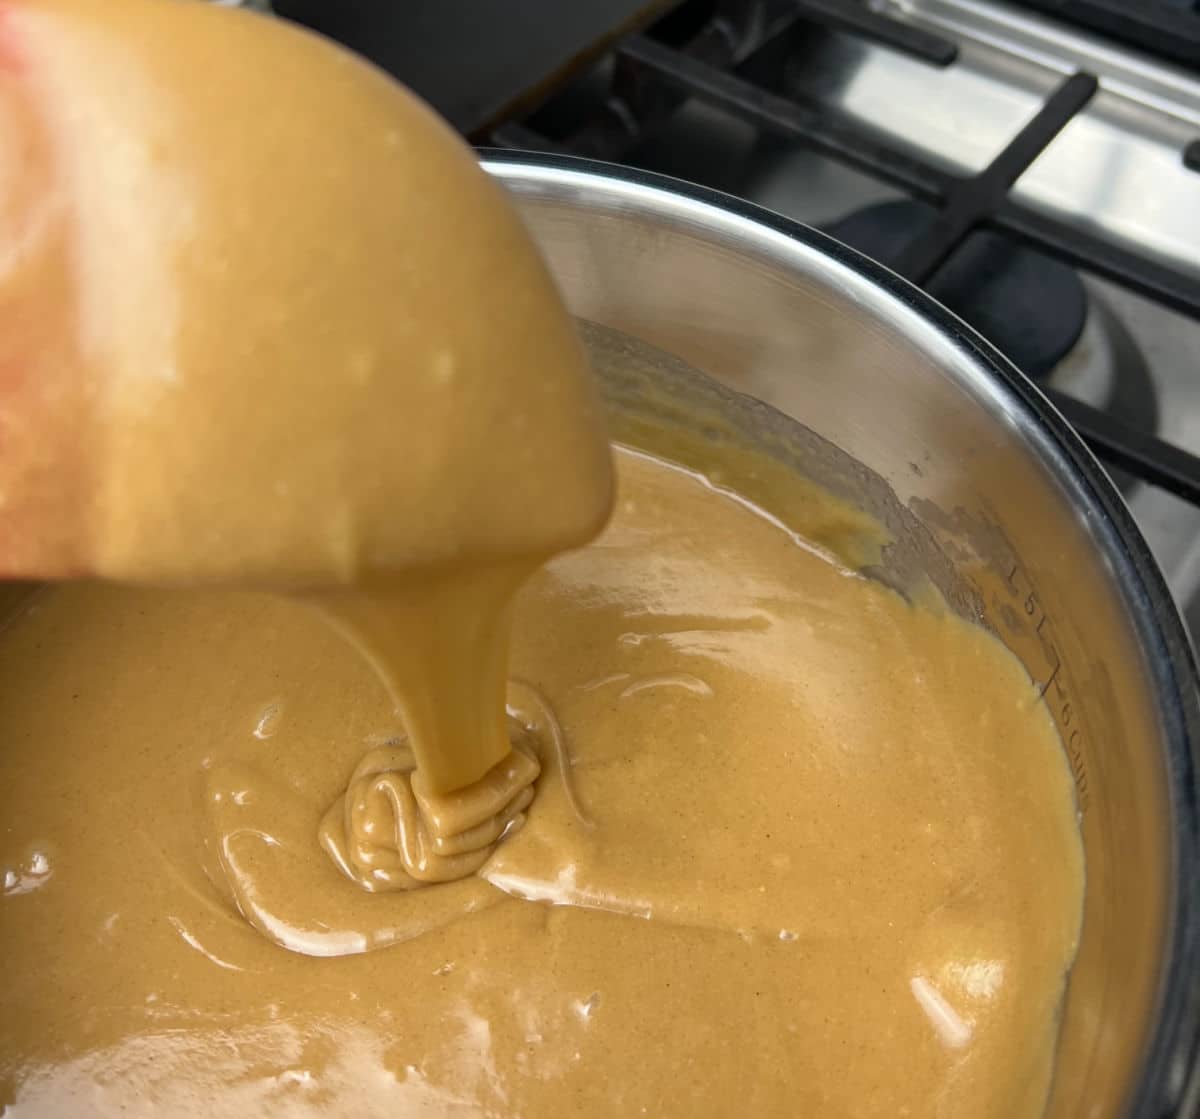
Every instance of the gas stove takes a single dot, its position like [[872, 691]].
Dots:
[[1035, 166]]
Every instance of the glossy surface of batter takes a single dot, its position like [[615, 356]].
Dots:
[[730, 829], [848, 820]]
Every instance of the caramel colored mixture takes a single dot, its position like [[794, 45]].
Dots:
[[692, 821], [848, 820]]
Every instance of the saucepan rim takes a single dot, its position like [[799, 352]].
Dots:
[[1172, 1057]]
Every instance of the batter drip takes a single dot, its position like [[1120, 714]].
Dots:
[[389, 832]]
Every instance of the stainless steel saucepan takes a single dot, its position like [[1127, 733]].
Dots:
[[895, 405]]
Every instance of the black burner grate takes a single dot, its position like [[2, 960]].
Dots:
[[653, 74]]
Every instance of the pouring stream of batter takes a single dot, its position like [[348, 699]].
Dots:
[[243, 412]]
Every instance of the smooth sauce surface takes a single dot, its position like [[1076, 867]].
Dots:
[[849, 820]]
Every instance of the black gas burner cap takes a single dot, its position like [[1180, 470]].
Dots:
[[1029, 306]]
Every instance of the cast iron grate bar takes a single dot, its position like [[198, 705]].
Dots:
[[970, 200], [853, 16], [1130, 449], [823, 129], [842, 139], [1144, 275], [1191, 156]]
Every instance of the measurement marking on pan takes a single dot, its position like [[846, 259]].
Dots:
[[1056, 689]]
